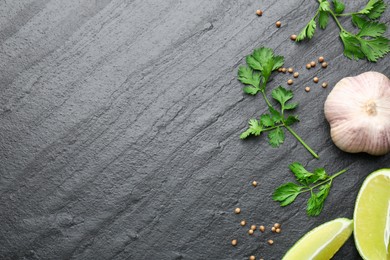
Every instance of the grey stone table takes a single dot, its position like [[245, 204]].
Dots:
[[120, 123]]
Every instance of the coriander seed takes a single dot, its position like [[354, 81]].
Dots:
[[315, 79], [280, 69], [296, 75], [278, 24], [253, 227], [307, 89], [250, 232], [254, 183], [259, 12], [278, 230], [293, 37], [270, 242], [324, 64], [325, 84], [273, 229], [308, 66], [313, 63], [277, 225], [234, 242], [284, 70], [252, 257], [237, 210], [290, 81], [321, 59], [243, 223], [262, 228], [290, 70]]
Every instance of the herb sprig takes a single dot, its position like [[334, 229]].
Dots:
[[261, 63], [368, 43], [318, 183]]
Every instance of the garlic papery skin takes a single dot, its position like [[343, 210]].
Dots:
[[358, 111]]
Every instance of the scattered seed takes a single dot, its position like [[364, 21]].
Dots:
[[284, 70], [253, 227], [262, 228], [273, 229], [313, 63], [250, 232], [293, 37], [308, 66], [234, 242], [277, 225], [290, 81], [259, 12], [261, 259], [270, 242], [325, 84], [278, 24], [324, 64], [278, 230], [252, 257], [316, 79], [307, 89], [280, 69], [243, 223], [321, 59], [296, 74], [254, 183], [290, 70], [237, 210]]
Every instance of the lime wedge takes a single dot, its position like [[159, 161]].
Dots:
[[322, 242], [372, 216]]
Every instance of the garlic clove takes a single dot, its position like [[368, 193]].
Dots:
[[358, 111]]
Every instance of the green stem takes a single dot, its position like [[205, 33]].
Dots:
[[301, 141], [336, 20], [265, 98], [325, 181], [346, 14], [271, 128]]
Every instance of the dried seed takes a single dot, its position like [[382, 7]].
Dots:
[[293, 37], [237, 210], [259, 12], [278, 24], [280, 69], [262, 229], [321, 59], [284, 70], [234, 242], [290, 81], [308, 66], [270, 242], [324, 64], [252, 257], [296, 74], [243, 223], [315, 79], [313, 63], [273, 229], [253, 227], [250, 232], [325, 84], [254, 183], [277, 225], [278, 230], [307, 89], [290, 70]]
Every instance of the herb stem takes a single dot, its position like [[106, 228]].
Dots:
[[301, 141], [325, 181], [346, 14], [336, 20]]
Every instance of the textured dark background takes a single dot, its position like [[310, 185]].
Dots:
[[119, 125]]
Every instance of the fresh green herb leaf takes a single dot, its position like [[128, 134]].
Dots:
[[246, 76], [266, 120], [373, 9], [375, 48], [324, 6], [278, 62], [338, 6], [276, 116], [308, 31], [318, 183], [291, 120], [372, 29], [290, 106], [323, 19], [282, 95], [255, 128], [358, 21], [286, 193], [352, 47], [276, 137]]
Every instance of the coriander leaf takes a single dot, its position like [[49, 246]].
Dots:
[[358, 21], [263, 54], [308, 31], [276, 116], [291, 120], [375, 48], [251, 90], [282, 95], [321, 174], [338, 6], [253, 63], [246, 76], [323, 19], [377, 9], [352, 48], [278, 62], [255, 128], [372, 29], [276, 137], [290, 106], [314, 206], [266, 120], [324, 6], [301, 174], [286, 193]]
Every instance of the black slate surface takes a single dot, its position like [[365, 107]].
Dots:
[[119, 125]]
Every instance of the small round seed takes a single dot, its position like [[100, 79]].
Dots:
[[307, 89], [262, 229], [273, 229], [321, 59], [278, 24], [324, 64], [254, 183], [252, 257], [308, 66], [316, 79], [278, 230], [237, 210], [234, 242], [313, 63], [296, 74], [293, 37], [253, 227], [277, 225], [270, 242], [280, 69], [243, 223], [284, 70], [290, 70], [250, 232], [290, 81], [259, 12], [325, 84]]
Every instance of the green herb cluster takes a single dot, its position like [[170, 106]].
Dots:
[[318, 183], [368, 43], [261, 63]]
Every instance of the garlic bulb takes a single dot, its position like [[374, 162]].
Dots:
[[358, 111]]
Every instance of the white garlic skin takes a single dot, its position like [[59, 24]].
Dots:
[[358, 111]]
